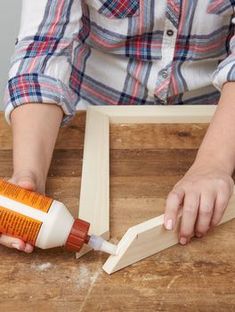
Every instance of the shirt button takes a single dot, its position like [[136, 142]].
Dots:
[[170, 32], [164, 74]]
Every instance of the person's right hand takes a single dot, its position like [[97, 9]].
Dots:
[[27, 181]]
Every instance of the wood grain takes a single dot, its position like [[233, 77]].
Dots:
[[199, 277], [94, 195]]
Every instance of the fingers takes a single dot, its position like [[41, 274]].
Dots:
[[28, 248], [197, 212], [221, 203], [206, 209], [173, 202], [12, 242], [204, 197], [189, 216], [27, 181]]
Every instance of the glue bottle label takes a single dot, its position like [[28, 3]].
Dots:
[[15, 224], [32, 199]]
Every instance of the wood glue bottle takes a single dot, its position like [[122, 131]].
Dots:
[[44, 222]]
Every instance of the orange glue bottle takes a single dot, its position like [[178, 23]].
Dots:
[[44, 222]]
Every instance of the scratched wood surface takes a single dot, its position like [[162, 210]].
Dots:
[[146, 161]]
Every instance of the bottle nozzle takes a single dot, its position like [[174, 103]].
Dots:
[[79, 236], [98, 243]]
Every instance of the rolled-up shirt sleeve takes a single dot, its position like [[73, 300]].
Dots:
[[40, 69], [226, 69]]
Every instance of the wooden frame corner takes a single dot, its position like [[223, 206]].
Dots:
[[138, 241]]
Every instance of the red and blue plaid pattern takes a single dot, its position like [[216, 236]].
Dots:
[[119, 9], [221, 6], [137, 52]]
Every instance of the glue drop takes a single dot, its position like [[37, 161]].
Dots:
[[44, 222]]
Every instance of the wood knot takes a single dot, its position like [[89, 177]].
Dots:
[[184, 133]]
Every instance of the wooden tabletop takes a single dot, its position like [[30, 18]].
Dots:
[[146, 162]]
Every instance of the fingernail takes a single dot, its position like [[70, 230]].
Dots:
[[28, 249], [183, 241], [169, 224], [199, 235], [16, 246]]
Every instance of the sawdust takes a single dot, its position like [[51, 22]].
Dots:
[[85, 277], [42, 267]]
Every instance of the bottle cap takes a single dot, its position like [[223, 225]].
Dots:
[[78, 235]]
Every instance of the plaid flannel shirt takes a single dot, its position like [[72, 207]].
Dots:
[[138, 52]]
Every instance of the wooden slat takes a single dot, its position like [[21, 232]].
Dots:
[[147, 162], [5, 134], [157, 113], [148, 238], [151, 136], [94, 196]]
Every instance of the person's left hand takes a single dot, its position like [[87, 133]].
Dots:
[[203, 194]]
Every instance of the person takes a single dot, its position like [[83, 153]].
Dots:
[[74, 53]]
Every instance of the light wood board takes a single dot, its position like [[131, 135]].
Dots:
[[94, 194], [150, 237]]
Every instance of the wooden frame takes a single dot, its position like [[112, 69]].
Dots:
[[146, 238]]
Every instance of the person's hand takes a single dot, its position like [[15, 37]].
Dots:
[[203, 195], [35, 128], [28, 181]]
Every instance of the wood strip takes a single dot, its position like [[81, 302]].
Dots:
[[94, 195], [157, 113], [148, 238]]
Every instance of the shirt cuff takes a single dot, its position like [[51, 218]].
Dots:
[[225, 72], [39, 88]]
